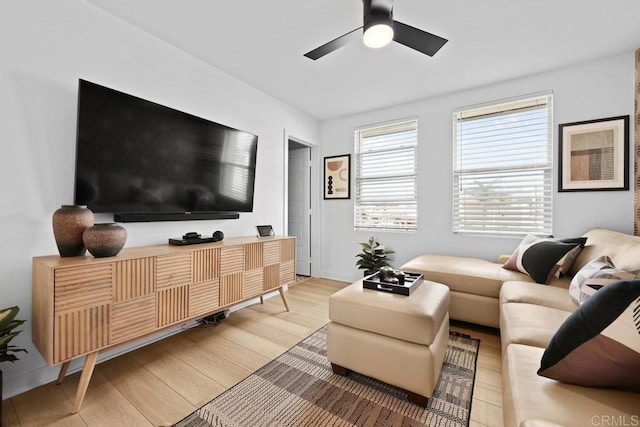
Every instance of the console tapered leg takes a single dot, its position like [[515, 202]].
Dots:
[[85, 377], [284, 300], [63, 372]]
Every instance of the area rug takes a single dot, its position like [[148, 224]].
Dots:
[[299, 389]]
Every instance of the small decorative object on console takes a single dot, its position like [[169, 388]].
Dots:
[[405, 281], [69, 222], [265, 231], [193, 238], [105, 239]]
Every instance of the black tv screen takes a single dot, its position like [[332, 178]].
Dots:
[[136, 156]]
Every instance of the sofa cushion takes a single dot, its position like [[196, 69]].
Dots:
[[623, 249], [593, 276], [543, 259], [599, 344], [529, 324], [468, 275], [477, 309], [533, 293], [527, 396]]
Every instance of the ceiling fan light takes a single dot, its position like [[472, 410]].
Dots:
[[378, 35]]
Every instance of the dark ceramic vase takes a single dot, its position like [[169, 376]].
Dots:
[[69, 222], [105, 239]]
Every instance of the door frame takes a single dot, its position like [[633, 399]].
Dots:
[[314, 231]]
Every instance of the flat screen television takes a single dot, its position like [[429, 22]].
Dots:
[[144, 161]]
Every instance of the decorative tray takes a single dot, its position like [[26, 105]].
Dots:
[[411, 283]]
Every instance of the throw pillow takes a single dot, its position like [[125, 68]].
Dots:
[[596, 274], [543, 259], [599, 343], [572, 255]]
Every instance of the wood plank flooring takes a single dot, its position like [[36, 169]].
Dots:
[[163, 382]]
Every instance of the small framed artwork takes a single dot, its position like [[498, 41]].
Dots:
[[594, 155], [337, 174]]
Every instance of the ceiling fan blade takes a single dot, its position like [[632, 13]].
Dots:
[[334, 44], [419, 40]]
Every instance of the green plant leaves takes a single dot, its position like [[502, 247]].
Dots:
[[7, 315], [8, 322], [373, 255]]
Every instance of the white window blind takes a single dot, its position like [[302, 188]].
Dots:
[[502, 168], [386, 175]]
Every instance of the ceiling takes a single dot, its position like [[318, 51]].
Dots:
[[262, 43]]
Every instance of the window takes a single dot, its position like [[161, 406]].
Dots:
[[386, 175], [502, 168]]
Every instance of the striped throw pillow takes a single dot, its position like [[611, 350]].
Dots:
[[595, 275]]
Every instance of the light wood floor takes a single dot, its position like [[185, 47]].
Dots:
[[163, 382]]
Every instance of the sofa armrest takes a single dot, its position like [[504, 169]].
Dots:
[[502, 258]]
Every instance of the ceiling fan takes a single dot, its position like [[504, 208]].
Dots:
[[379, 29]]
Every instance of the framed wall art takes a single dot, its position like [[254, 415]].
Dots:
[[594, 155], [337, 177]]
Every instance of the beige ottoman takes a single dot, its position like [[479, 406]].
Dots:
[[400, 340]]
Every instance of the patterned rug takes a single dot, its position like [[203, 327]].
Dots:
[[299, 389]]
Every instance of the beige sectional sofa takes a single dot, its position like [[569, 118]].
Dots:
[[528, 315]]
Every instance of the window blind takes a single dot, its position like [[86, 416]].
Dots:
[[502, 171], [386, 175]]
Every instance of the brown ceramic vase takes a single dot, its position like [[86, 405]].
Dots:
[[69, 222], [105, 239]]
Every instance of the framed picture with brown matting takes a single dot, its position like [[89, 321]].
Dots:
[[594, 155]]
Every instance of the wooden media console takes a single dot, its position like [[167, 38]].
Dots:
[[83, 305]]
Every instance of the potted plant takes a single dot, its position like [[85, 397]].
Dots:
[[8, 323], [373, 256]]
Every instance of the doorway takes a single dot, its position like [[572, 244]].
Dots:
[[299, 204]]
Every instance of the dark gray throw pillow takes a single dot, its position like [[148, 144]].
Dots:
[[545, 258], [599, 343]]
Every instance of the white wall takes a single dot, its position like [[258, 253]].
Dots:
[[45, 47], [589, 91]]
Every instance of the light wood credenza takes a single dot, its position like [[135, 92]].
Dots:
[[82, 305]]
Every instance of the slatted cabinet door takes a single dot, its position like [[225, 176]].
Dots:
[[173, 277], [272, 256], [82, 310], [204, 293], [287, 261], [134, 300], [231, 274], [253, 280]]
